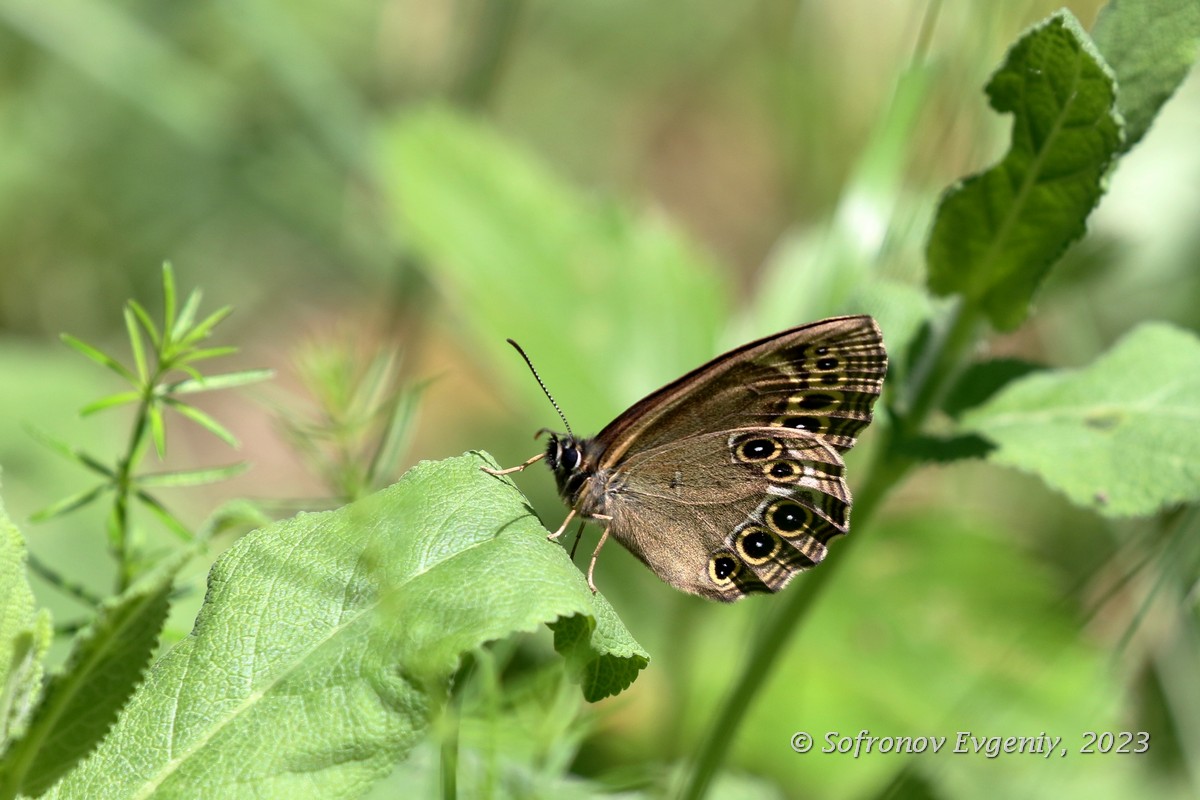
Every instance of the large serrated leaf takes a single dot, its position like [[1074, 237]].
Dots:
[[1121, 436], [997, 233], [1151, 46], [81, 701], [325, 640]]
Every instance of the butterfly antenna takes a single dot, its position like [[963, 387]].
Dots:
[[542, 384]]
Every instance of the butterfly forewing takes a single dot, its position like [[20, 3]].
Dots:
[[826, 387], [821, 378]]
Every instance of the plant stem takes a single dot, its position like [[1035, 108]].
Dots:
[[124, 479], [932, 376], [449, 757], [929, 381]]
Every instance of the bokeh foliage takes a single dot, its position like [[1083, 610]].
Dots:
[[627, 188]]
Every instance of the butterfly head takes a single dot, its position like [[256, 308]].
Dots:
[[572, 460]]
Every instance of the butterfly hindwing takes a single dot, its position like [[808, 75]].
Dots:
[[728, 513]]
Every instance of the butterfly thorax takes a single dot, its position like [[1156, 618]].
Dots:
[[573, 461]]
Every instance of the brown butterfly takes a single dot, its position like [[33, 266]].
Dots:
[[729, 480]]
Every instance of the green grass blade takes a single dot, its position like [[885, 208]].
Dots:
[[119, 399], [135, 344], [203, 420], [67, 451], [205, 326], [193, 477], [208, 383], [169, 297], [148, 325], [172, 523], [186, 316], [204, 354], [101, 358], [398, 432], [158, 429], [69, 504]]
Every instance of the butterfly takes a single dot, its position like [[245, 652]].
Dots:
[[729, 480]]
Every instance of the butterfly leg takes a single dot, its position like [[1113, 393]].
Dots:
[[578, 536], [517, 468], [595, 553], [562, 527]]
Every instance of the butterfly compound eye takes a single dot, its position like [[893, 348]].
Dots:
[[569, 459]]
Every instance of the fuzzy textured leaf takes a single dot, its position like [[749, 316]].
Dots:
[[997, 233], [81, 701], [1121, 436], [24, 636], [1151, 46], [325, 640]]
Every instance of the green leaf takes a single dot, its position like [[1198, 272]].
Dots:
[[1121, 436], [228, 380], [118, 399], [147, 323], [204, 328], [578, 638], [981, 380], [506, 233], [158, 429], [166, 517], [169, 299], [192, 477], [203, 420], [82, 700], [135, 344], [1151, 46], [69, 504], [24, 636], [945, 449], [998, 232], [325, 641], [204, 354], [103, 359], [185, 319], [67, 451]]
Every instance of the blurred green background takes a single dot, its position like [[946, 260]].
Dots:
[[627, 189]]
